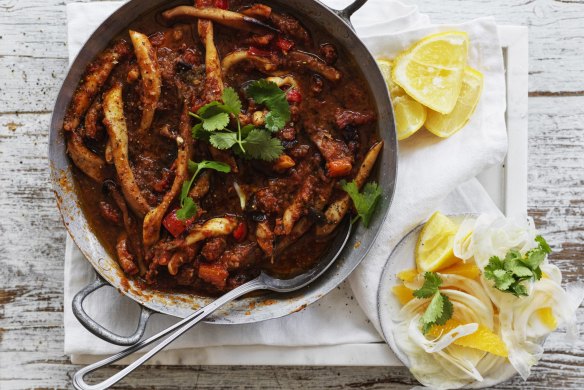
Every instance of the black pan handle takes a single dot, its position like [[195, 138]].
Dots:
[[346, 13], [98, 330]]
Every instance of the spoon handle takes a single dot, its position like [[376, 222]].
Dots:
[[175, 332]]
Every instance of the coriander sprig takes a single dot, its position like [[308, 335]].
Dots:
[[188, 207], [510, 273], [248, 141], [365, 201], [440, 308]]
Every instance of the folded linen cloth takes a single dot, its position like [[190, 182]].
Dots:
[[428, 171]]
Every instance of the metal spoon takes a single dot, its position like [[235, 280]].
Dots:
[[262, 282]]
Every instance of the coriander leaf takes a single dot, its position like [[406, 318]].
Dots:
[[431, 283], [534, 258], [184, 193], [215, 165], [364, 202], [495, 263], [223, 141], [269, 94], [245, 130], [447, 310], [201, 112], [198, 131], [188, 210], [503, 279], [260, 145], [188, 207], [518, 289], [437, 313], [513, 255], [231, 101], [218, 121], [543, 245], [517, 267]]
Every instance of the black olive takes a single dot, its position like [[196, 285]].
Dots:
[[289, 144], [317, 216], [257, 216]]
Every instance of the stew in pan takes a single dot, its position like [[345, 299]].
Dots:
[[214, 141]]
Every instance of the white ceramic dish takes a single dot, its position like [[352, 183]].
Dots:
[[402, 258]]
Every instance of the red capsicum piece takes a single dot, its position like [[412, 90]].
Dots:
[[285, 44], [175, 226], [240, 232]]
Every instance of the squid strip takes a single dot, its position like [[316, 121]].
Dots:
[[84, 159], [224, 17], [338, 209], [298, 206], [263, 64], [305, 223], [265, 237], [300, 60], [151, 78], [129, 225], [94, 114], [215, 227], [125, 258], [95, 77], [153, 220], [118, 132]]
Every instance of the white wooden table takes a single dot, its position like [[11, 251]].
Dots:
[[33, 61]]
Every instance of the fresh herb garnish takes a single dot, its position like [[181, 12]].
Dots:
[[248, 141], [365, 201], [188, 207], [510, 273], [269, 94], [440, 308]]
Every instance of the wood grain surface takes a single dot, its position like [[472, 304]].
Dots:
[[33, 61]]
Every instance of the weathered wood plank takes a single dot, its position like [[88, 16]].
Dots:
[[33, 49], [32, 64], [555, 35]]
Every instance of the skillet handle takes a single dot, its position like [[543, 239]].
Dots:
[[346, 13], [91, 325]]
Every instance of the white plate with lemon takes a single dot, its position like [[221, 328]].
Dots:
[[432, 86], [467, 301]]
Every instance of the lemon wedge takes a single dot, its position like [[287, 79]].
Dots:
[[431, 71], [385, 65], [468, 100], [483, 339], [409, 114], [434, 248]]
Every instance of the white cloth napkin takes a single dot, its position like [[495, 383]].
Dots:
[[428, 170]]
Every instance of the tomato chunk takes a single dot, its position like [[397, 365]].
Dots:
[[285, 44], [175, 226], [216, 274], [240, 232], [223, 4], [294, 96]]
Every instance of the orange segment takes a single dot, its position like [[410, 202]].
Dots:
[[483, 339], [408, 275], [546, 316], [467, 270], [403, 294]]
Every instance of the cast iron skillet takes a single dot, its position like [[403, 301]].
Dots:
[[337, 24]]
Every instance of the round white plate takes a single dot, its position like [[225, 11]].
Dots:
[[402, 258]]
